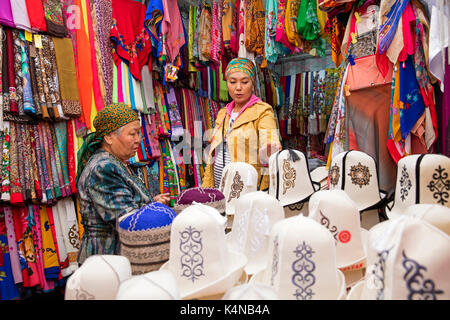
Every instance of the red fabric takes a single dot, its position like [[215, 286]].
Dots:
[[408, 22], [96, 83], [383, 63], [71, 157], [36, 15], [19, 238], [84, 72], [132, 43]]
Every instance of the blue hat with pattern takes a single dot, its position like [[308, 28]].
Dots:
[[145, 235]]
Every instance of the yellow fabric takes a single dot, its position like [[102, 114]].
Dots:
[[322, 16], [49, 255], [290, 23], [261, 117]]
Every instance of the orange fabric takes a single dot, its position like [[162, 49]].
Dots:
[[84, 71]]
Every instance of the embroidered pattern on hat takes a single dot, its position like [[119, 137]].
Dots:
[[74, 238], [191, 259], [344, 236], [360, 175], [274, 260], [84, 295], [325, 221], [288, 176], [303, 268], [376, 280], [334, 175], [405, 183], [440, 185], [236, 187], [418, 286], [296, 206]]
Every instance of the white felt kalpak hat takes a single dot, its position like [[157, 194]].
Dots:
[[255, 214], [200, 259], [435, 214], [251, 291], [301, 262], [238, 178], [155, 285], [338, 213], [408, 259], [421, 179], [320, 175], [356, 173], [98, 278], [290, 181]]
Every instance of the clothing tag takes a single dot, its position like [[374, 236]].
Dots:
[[28, 36], [354, 38], [38, 41]]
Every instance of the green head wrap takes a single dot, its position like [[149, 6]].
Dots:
[[107, 120]]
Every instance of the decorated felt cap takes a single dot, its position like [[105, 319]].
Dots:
[[251, 291], [208, 196], [238, 178], [200, 259], [320, 176], [113, 117], [290, 181], [339, 214], [155, 285], [356, 173], [435, 214], [301, 262], [98, 278], [411, 262], [256, 212], [145, 235], [421, 179]]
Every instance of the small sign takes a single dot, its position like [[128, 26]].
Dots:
[[28, 36], [38, 41]]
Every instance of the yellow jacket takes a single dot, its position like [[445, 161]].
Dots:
[[252, 130]]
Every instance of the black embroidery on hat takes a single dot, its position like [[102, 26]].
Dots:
[[440, 185], [236, 187], [405, 184], [325, 221], [74, 237], [418, 286], [334, 175], [378, 273], [191, 260], [360, 175], [288, 176], [303, 268], [274, 260]]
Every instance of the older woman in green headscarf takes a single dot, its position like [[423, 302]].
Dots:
[[245, 129], [107, 186]]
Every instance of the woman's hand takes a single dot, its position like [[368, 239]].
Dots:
[[266, 152], [163, 198]]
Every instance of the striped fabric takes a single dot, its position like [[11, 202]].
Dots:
[[222, 159]]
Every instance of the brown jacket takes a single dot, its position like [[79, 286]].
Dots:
[[252, 130]]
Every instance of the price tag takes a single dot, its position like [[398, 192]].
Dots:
[[38, 41], [28, 36]]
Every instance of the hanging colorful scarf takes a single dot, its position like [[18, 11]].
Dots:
[[28, 101], [20, 14], [131, 42], [389, 26], [5, 174], [254, 27], [13, 95], [307, 23], [411, 101], [395, 144], [12, 245], [204, 36], [54, 18], [8, 289], [152, 23], [291, 23], [36, 163], [55, 227], [280, 30]]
